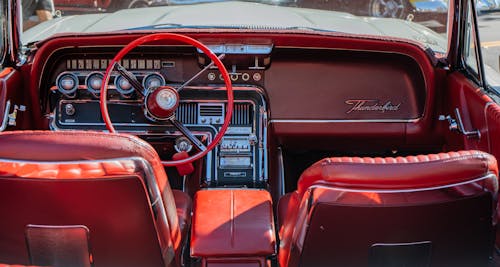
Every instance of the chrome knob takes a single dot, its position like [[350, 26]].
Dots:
[[69, 109], [182, 144]]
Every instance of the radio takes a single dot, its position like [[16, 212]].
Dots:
[[236, 157]]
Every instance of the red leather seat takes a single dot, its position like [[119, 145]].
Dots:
[[111, 186], [407, 211]]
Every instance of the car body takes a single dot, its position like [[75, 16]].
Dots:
[[237, 133], [97, 6]]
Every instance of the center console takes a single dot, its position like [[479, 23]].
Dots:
[[239, 232]]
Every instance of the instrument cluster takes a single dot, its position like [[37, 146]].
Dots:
[[88, 74]]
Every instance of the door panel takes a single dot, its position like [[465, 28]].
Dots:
[[478, 111], [11, 89], [493, 124]]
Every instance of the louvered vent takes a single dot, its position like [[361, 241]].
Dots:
[[187, 113], [242, 114], [205, 113], [211, 113], [211, 110]]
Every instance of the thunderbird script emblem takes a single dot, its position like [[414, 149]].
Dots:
[[372, 105]]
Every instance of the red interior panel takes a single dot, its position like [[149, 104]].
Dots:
[[232, 223], [11, 85]]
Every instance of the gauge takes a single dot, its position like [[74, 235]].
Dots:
[[123, 86], [94, 82], [67, 83], [153, 80]]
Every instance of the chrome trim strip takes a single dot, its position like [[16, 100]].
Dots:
[[335, 121], [487, 176], [5, 120], [485, 111], [281, 173]]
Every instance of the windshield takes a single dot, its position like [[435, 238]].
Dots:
[[423, 21]]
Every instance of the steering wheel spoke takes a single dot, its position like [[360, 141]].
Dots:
[[186, 83], [188, 134], [130, 78]]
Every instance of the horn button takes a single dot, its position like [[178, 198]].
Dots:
[[161, 102]]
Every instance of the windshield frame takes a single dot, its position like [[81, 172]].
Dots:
[[11, 33], [5, 31]]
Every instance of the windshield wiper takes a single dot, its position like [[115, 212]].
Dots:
[[157, 26], [238, 27]]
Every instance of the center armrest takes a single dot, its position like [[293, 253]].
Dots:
[[233, 223]]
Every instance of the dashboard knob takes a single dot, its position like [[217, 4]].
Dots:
[[252, 139], [69, 109], [182, 144]]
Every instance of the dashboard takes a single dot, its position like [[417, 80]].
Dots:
[[312, 96]]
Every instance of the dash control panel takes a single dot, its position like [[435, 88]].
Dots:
[[236, 159]]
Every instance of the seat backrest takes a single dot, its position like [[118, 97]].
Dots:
[[68, 211], [339, 221]]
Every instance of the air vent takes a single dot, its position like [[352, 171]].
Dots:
[[187, 113], [242, 114], [211, 110], [211, 113]]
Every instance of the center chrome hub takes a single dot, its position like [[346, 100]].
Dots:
[[161, 102], [166, 99]]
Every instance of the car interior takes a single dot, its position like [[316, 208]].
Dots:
[[280, 149]]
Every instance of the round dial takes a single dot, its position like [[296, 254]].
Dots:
[[94, 82], [67, 83], [153, 80], [123, 86]]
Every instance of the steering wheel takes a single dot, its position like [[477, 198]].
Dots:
[[161, 102]]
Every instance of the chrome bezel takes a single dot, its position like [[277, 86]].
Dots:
[[88, 78], [145, 79], [119, 89], [75, 86]]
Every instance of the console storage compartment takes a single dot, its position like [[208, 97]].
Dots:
[[233, 227]]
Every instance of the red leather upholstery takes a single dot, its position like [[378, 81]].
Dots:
[[399, 173], [493, 120], [94, 157], [445, 198], [233, 223]]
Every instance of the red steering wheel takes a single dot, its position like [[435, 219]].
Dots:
[[161, 102]]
